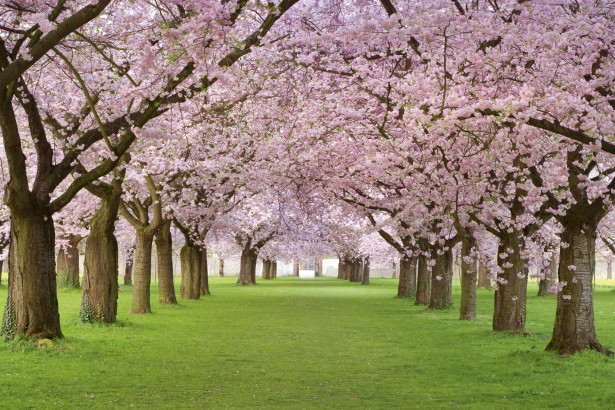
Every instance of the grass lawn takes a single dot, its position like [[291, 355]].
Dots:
[[293, 343]]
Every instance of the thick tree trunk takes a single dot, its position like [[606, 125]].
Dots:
[[341, 268], [574, 320], [32, 303], [266, 269], [191, 272], [542, 287], [100, 274], [407, 277], [164, 251], [247, 270], [442, 281], [128, 267], [274, 269], [204, 274], [142, 274], [355, 272], [483, 277], [68, 263], [422, 282], [365, 279], [469, 274], [510, 294]]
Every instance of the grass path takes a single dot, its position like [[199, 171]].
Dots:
[[291, 343]]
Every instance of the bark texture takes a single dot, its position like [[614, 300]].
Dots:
[[32, 304], [422, 282], [247, 269], [191, 272], [100, 276], [142, 274], [574, 320], [483, 277], [68, 263], [510, 294], [407, 277], [442, 281], [365, 279], [164, 252], [274, 269], [266, 269], [469, 275]]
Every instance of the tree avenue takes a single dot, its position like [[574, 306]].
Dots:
[[381, 131]]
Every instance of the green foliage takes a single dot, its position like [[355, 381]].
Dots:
[[297, 343], [87, 314], [9, 319]]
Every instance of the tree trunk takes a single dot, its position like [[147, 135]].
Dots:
[[247, 270], [574, 320], [32, 303], [204, 273], [542, 287], [510, 294], [164, 251], [407, 277], [142, 273], [191, 272], [221, 267], [609, 270], [68, 263], [422, 282], [355, 272], [266, 269], [394, 271], [100, 274], [295, 268], [365, 279], [469, 274], [442, 281], [128, 267], [274, 269], [341, 268], [483, 277]]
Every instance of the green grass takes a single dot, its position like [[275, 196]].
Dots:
[[292, 343]]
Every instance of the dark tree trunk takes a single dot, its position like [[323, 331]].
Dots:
[[574, 320], [274, 269], [295, 268], [204, 273], [32, 303], [266, 269], [483, 277], [142, 272], [442, 281], [164, 251], [422, 282], [128, 267], [68, 263], [100, 274], [341, 268], [221, 267], [510, 294], [365, 279], [355, 271], [407, 277], [469, 274], [542, 287], [191, 272], [247, 270]]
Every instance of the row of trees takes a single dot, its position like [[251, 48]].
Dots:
[[296, 128]]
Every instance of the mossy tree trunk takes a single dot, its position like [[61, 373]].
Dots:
[[32, 304], [422, 282], [191, 271], [442, 280], [68, 262], [407, 277], [164, 252], [574, 319], [100, 274], [469, 274], [510, 294]]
